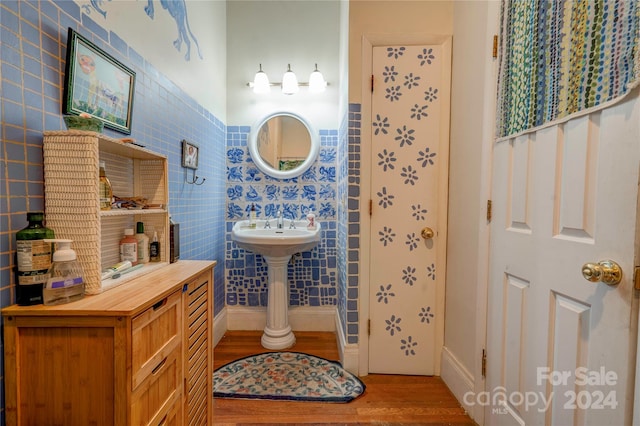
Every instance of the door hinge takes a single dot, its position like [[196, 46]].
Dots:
[[636, 277], [495, 46], [370, 207], [489, 210], [368, 327], [371, 83], [484, 363]]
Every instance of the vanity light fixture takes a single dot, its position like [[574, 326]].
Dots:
[[290, 84], [261, 82], [317, 82]]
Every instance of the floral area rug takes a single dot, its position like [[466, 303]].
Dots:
[[289, 376]]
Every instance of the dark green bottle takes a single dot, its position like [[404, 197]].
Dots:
[[34, 259]]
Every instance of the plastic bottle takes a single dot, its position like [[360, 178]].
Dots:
[[65, 283], [311, 220], [129, 247], [143, 243], [33, 259], [106, 192], [154, 248], [252, 216]]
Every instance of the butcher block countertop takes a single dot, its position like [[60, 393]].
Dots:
[[128, 299]]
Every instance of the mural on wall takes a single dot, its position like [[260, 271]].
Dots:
[[177, 10]]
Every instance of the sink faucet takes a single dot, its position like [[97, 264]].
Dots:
[[279, 220], [292, 225]]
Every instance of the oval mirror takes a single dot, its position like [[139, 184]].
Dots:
[[283, 145]]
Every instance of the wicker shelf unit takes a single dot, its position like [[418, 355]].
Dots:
[[72, 208]]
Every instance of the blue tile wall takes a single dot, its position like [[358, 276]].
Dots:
[[32, 55], [312, 275], [350, 271], [342, 220]]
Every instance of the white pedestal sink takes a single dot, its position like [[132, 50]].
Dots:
[[276, 246]]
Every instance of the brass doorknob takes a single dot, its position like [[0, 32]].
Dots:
[[607, 271], [427, 233]]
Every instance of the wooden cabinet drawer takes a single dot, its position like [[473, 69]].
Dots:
[[173, 417], [155, 335], [155, 398]]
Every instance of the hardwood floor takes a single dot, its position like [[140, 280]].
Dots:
[[388, 399]]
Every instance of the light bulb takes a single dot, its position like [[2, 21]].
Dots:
[[317, 82], [289, 82], [261, 82]]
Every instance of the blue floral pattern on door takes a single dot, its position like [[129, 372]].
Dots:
[[405, 133]]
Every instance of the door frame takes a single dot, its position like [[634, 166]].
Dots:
[[369, 41]]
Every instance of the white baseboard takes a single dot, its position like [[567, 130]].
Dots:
[[319, 318], [305, 318], [244, 318], [457, 378], [349, 352], [219, 326]]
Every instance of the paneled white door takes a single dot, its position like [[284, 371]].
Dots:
[[561, 349], [409, 174]]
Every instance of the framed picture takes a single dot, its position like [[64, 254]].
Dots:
[[189, 155], [97, 84]]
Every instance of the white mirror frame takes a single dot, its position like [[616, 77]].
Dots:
[[283, 174]]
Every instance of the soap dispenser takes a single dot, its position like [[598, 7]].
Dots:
[[65, 283], [311, 220]]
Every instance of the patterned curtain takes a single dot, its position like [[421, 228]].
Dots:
[[558, 58]]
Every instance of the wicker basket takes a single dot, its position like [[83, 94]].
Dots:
[[72, 205]]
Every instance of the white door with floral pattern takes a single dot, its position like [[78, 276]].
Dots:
[[409, 169]]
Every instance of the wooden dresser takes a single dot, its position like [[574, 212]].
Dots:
[[138, 354]]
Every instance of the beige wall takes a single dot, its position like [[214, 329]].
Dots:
[[469, 52], [472, 124], [297, 144]]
